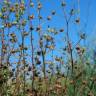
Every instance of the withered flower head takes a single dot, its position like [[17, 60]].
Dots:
[[58, 59], [53, 12], [83, 36], [78, 48], [13, 35], [22, 7], [32, 4], [39, 6], [12, 9], [77, 20], [25, 33], [39, 53], [63, 4], [61, 30], [49, 18], [38, 28], [31, 16], [31, 28], [3, 9], [23, 22], [40, 17], [72, 12]]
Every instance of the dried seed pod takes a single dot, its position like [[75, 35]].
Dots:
[[83, 36], [78, 48], [31, 16], [25, 48], [40, 17], [13, 35], [49, 18], [16, 5], [13, 40], [63, 4], [38, 62], [48, 37], [61, 30], [32, 4], [51, 47], [39, 53], [77, 20], [13, 51], [4, 17], [14, 23], [23, 22], [3, 9], [8, 25], [31, 28], [17, 15], [53, 12], [12, 9], [39, 6], [22, 7], [72, 12], [25, 33], [38, 28], [58, 59]]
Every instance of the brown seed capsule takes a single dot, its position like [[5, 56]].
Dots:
[[38, 28], [84, 82], [4, 9], [53, 12], [77, 20], [32, 4], [39, 53], [49, 38], [12, 9], [22, 7], [61, 30], [57, 59], [8, 25], [49, 18], [14, 23], [12, 35], [4, 17], [72, 12], [63, 4], [77, 48], [39, 6], [31, 28], [31, 17], [40, 17], [25, 33], [23, 22], [82, 36]]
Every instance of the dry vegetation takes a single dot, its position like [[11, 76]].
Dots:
[[29, 63]]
